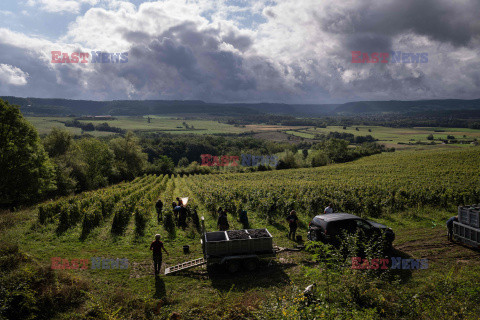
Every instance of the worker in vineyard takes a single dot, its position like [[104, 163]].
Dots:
[[222, 222], [157, 247], [450, 227], [243, 218], [329, 208], [182, 217], [292, 223], [159, 208], [179, 201]]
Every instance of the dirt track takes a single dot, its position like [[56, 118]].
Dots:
[[434, 245]]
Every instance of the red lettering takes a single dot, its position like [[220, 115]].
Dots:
[[356, 56], [55, 55], [225, 160], [384, 56], [56, 263], [83, 55], [75, 57], [216, 161], [366, 58], [65, 264], [74, 264], [384, 263], [206, 159], [374, 264], [65, 58], [356, 262], [84, 263], [374, 57], [234, 160]]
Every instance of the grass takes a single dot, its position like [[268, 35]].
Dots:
[[166, 124], [394, 136], [420, 234]]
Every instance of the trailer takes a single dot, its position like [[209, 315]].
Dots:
[[467, 229], [234, 249], [237, 248]]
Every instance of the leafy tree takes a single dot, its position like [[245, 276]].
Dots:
[[92, 163], [129, 159], [183, 162], [27, 172], [287, 161], [161, 165], [57, 142], [305, 153]]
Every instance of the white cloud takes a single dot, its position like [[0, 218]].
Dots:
[[11, 75], [203, 49]]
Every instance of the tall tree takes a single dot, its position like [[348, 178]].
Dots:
[[129, 158], [26, 173]]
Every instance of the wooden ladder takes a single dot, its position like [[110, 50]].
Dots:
[[185, 265]]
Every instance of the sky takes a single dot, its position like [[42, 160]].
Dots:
[[286, 51]]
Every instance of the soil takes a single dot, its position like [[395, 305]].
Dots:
[[237, 234], [258, 233]]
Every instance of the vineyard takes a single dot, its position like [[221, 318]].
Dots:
[[92, 208], [373, 186], [414, 192]]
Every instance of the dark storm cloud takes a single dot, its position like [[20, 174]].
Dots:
[[188, 62], [444, 21], [42, 82]]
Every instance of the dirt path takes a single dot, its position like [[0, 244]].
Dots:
[[434, 245]]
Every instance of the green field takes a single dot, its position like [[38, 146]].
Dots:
[[394, 136], [165, 124], [414, 192]]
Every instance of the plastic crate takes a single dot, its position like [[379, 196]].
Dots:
[[474, 218], [463, 215]]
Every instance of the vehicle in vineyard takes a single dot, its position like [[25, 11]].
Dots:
[[467, 229], [328, 228], [233, 249]]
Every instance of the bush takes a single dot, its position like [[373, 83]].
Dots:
[[169, 224]]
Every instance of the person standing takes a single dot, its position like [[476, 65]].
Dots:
[[182, 217], [222, 222], [292, 223], [157, 247], [159, 208], [244, 219], [329, 209], [450, 227]]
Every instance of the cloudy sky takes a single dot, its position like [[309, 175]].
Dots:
[[241, 50]]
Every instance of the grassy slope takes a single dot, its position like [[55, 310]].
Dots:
[[420, 233]]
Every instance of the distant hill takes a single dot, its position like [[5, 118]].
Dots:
[[61, 107], [406, 106]]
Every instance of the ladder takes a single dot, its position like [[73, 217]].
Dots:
[[185, 265]]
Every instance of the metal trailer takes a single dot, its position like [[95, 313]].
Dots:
[[467, 229], [219, 249], [466, 234]]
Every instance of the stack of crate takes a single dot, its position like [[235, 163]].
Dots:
[[469, 215], [467, 230]]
